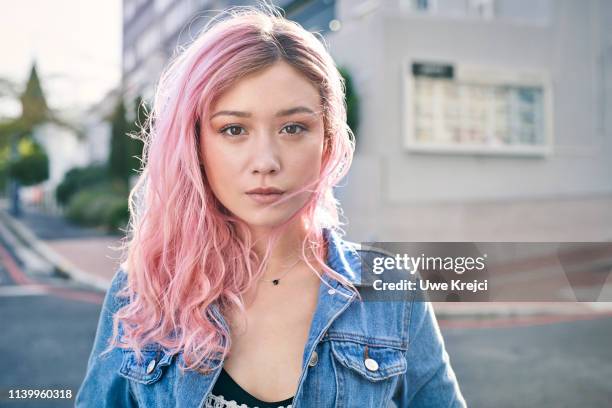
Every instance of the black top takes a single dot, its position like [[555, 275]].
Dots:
[[230, 390]]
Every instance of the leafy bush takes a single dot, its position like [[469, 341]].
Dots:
[[78, 179], [117, 214], [99, 207]]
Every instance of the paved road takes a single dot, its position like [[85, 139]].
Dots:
[[47, 335], [552, 365], [49, 227]]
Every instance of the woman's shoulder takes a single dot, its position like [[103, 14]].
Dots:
[[119, 279], [115, 298]]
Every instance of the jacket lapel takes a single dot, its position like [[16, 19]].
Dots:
[[334, 298], [193, 387]]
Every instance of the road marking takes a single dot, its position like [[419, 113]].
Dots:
[[23, 290], [26, 286], [510, 322], [12, 268], [83, 296]]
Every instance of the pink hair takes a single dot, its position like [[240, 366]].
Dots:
[[184, 255]]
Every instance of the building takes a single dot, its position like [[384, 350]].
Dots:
[[98, 128], [154, 29], [434, 162], [480, 119]]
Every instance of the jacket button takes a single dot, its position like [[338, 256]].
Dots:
[[151, 366], [314, 359], [371, 364]]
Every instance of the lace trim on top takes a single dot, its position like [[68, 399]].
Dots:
[[217, 401]]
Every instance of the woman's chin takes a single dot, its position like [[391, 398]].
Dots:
[[267, 221]]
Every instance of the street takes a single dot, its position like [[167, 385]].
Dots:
[[49, 326], [454, 151], [48, 332], [549, 365]]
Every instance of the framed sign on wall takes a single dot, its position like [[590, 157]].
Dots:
[[460, 108]]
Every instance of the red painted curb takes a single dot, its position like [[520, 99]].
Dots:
[[21, 278]]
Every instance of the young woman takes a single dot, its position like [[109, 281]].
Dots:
[[237, 287]]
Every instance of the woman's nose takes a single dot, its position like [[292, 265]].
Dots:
[[265, 156]]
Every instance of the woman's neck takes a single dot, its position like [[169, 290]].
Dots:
[[286, 250]]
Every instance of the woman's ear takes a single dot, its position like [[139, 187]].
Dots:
[[327, 147], [198, 144], [196, 131]]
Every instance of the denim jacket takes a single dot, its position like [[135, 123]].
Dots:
[[408, 361]]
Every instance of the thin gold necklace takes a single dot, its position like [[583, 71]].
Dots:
[[276, 281]]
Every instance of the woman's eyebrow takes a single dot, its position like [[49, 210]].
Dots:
[[285, 112]]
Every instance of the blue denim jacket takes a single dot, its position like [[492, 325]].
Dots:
[[411, 366]]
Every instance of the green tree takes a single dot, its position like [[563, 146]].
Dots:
[[34, 111], [126, 147], [135, 144], [352, 101], [33, 101], [30, 165], [32, 168], [118, 160]]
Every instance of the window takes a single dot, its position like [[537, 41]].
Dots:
[[422, 4], [129, 59], [460, 108], [482, 8], [148, 41], [162, 5]]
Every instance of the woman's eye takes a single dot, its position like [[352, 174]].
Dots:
[[294, 129], [233, 130]]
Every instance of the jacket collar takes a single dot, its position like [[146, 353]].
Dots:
[[343, 257], [334, 298]]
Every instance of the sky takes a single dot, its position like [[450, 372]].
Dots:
[[76, 45]]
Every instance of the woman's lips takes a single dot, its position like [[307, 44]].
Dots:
[[265, 198]]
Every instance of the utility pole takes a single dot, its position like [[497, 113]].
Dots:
[[15, 208]]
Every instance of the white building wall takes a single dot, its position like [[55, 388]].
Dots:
[[391, 192], [98, 141], [64, 150]]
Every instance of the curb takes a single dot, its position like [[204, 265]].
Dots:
[[61, 265], [489, 310], [36, 252], [31, 260]]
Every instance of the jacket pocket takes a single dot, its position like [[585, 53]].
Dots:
[[366, 374], [384, 362], [148, 370]]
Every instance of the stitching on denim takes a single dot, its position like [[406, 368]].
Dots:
[[134, 394], [366, 340], [410, 334], [339, 383]]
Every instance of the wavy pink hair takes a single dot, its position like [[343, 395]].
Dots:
[[187, 257]]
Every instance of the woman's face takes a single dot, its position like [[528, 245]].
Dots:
[[266, 132]]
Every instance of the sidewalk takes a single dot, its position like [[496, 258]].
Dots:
[[87, 256], [82, 254]]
